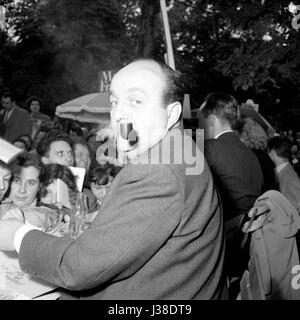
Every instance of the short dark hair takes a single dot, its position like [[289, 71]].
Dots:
[[77, 130], [52, 136], [174, 90], [281, 145], [223, 106], [9, 94], [26, 160], [101, 175]]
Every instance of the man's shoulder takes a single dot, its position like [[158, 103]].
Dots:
[[142, 171], [289, 174], [21, 111]]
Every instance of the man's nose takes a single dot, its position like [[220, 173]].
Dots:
[[119, 112], [53, 198], [22, 188]]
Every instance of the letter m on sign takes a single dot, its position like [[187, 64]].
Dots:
[[105, 77]]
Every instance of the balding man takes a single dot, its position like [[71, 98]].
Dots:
[[160, 232]]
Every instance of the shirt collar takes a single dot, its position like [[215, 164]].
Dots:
[[218, 135], [281, 166]]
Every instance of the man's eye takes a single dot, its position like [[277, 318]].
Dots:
[[113, 103], [6, 179], [60, 153], [32, 183], [135, 101], [16, 180]]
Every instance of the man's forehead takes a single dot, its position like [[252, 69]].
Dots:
[[6, 99], [4, 171], [138, 75], [28, 173], [60, 145]]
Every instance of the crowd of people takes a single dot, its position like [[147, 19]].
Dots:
[[158, 232], [48, 154]]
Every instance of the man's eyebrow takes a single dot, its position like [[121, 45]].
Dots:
[[130, 90], [33, 180]]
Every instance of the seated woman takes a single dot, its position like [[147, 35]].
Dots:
[[27, 170]]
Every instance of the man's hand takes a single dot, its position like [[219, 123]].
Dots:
[[8, 229]]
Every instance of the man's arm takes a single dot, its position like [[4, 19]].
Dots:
[[135, 221]]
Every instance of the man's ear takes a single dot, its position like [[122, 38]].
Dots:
[[45, 160], [212, 119], [174, 112]]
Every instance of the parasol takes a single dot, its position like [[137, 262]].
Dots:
[[93, 107]]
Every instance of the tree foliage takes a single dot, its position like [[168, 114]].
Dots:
[[60, 47], [55, 48]]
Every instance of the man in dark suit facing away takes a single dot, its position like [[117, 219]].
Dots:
[[15, 120], [235, 168]]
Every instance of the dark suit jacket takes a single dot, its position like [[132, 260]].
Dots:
[[268, 169], [237, 173], [239, 180], [159, 236], [18, 124], [289, 184]]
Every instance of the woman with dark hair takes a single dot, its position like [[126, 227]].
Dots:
[[49, 189], [27, 171]]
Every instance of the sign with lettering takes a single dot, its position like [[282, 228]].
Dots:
[[105, 77]]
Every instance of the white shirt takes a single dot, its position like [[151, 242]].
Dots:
[[218, 135], [20, 234], [8, 114], [281, 166]]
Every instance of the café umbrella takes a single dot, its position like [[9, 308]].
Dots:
[[93, 108]]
